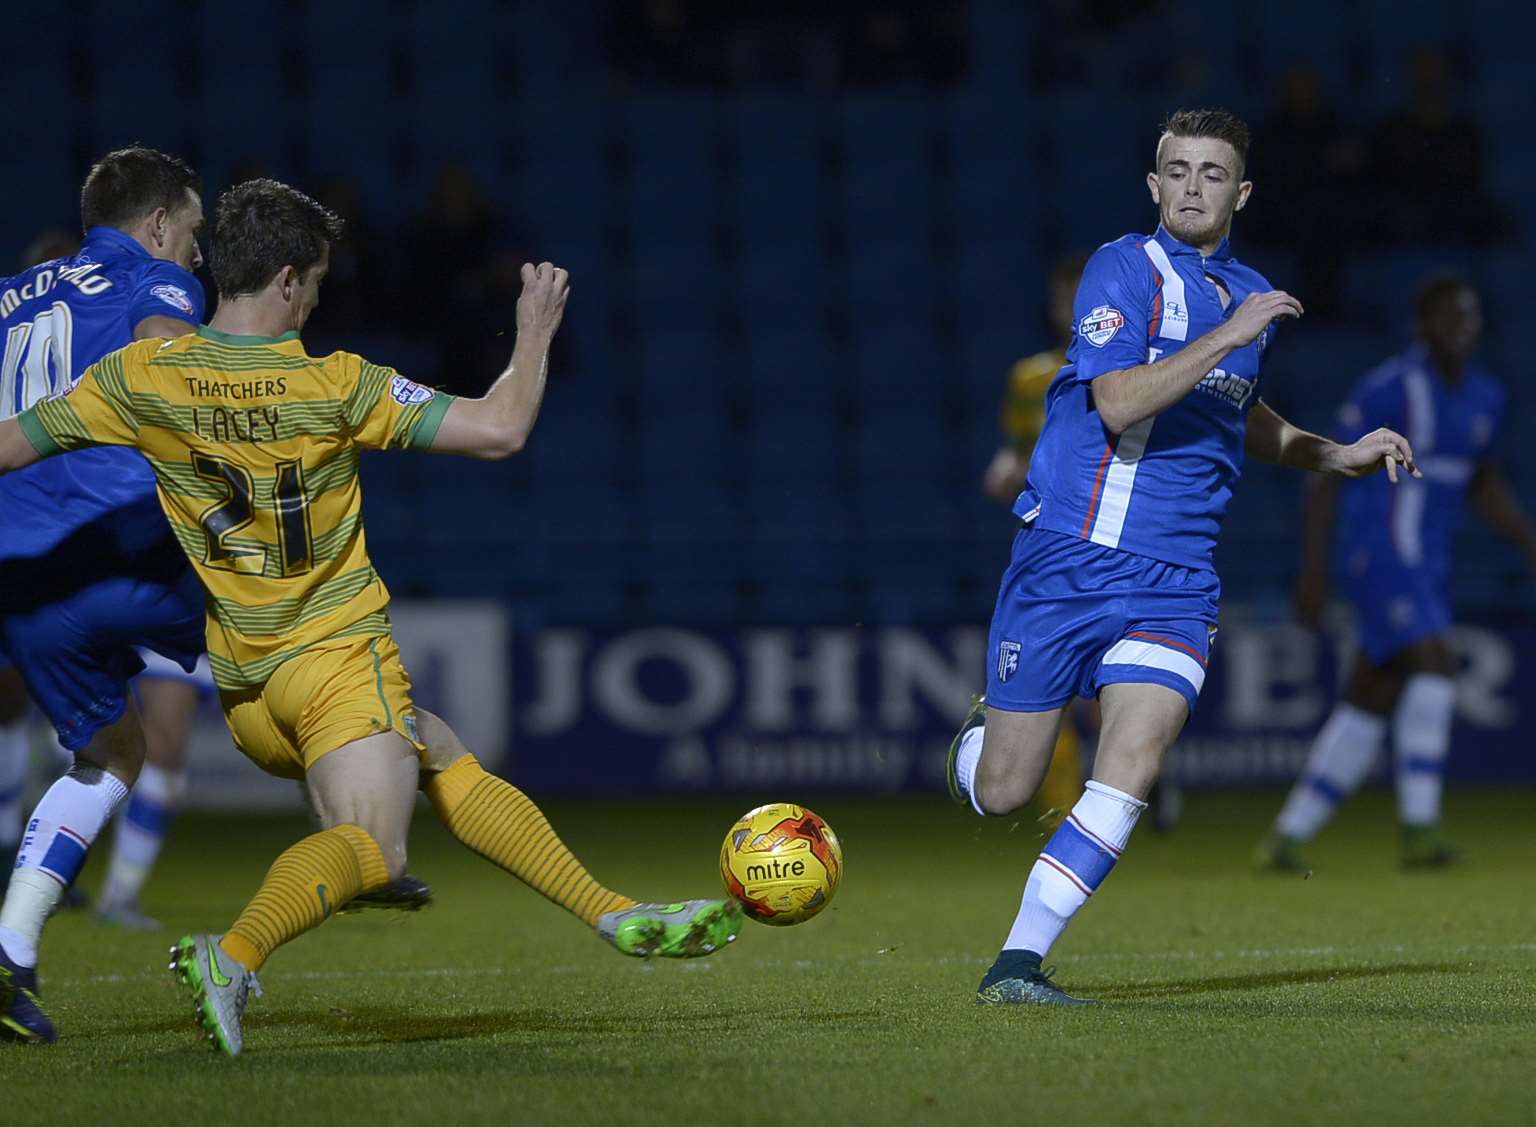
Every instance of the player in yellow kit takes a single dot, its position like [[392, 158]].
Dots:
[[1023, 416], [254, 444]]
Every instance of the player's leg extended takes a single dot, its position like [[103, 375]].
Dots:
[[1141, 722], [1421, 734], [363, 794], [14, 761], [1341, 757], [503, 825], [60, 831], [168, 708]]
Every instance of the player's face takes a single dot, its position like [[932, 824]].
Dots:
[[182, 226], [1197, 187], [1453, 325]]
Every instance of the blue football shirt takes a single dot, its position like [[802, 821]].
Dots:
[[1159, 489], [1453, 429], [58, 319]]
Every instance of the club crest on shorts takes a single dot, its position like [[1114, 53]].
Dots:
[[408, 392], [1101, 325], [1007, 660]]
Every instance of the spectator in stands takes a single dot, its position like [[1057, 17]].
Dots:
[[1312, 167], [1428, 165], [50, 244]]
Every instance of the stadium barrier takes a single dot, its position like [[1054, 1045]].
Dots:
[[769, 710]]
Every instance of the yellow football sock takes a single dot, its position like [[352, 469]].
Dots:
[[303, 887], [502, 824]]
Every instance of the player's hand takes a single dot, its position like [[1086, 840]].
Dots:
[[541, 305], [1381, 449], [1310, 598], [1256, 312]]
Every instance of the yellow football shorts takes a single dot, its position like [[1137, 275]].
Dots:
[[320, 700]]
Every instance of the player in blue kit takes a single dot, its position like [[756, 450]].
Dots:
[[88, 565], [1395, 547], [1111, 592]]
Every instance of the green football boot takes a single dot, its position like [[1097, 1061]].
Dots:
[[688, 930], [1425, 847], [1280, 854], [976, 717], [1016, 979], [220, 988]]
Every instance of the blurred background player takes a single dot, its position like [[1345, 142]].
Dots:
[[168, 700], [1395, 547], [88, 566], [1023, 418]]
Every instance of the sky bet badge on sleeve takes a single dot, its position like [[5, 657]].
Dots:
[[408, 392], [1101, 325], [176, 297]]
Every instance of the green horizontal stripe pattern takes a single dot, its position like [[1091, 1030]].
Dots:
[[180, 480], [229, 674], [220, 357], [65, 427], [329, 545], [283, 615], [372, 380]]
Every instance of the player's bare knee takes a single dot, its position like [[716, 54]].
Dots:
[[1001, 789], [443, 746]]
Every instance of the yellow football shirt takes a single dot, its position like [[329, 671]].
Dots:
[[1024, 402], [254, 444]]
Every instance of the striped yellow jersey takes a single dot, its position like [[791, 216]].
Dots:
[[254, 444], [1024, 402]]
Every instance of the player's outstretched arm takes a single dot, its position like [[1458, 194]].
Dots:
[[1270, 438], [498, 424], [1126, 397], [15, 450]]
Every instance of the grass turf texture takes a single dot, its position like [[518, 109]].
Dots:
[[1360, 995]]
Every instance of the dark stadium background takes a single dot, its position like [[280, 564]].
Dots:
[[807, 241]]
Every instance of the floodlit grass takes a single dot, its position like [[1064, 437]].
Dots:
[[1363, 995]]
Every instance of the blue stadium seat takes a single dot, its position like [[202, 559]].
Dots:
[[890, 125], [778, 200], [771, 124], [692, 447]]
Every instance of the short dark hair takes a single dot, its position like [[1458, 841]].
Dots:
[[1220, 124], [260, 227], [128, 184], [1437, 288]]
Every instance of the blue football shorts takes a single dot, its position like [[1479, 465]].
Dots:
[[1073, 616], [1395, 606], [71, 626]]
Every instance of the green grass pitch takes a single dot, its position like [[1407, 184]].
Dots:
[[1363, 995]]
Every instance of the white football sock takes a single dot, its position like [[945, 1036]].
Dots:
[[140, 833], [1073, 864], [1421, 729], [1341, 758], [966, 760], [15, 757], [61, 829]]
